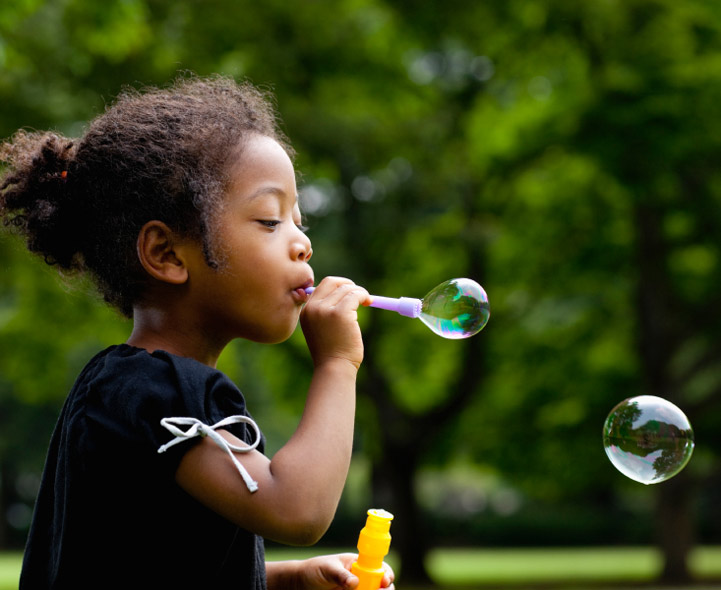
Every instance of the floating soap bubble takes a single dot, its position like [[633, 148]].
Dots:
[[457, 308], [648, 439]]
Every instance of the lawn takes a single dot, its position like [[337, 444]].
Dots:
[[573, 567], [9, 569], [516, 569]]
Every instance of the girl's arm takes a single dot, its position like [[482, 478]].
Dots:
[[299, 489]]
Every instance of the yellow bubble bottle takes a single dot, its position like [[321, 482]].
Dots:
[[374, 543]]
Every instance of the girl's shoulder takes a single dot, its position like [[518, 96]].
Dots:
[[136, 367], [134, 384], [124, 393]]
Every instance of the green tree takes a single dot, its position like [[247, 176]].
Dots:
[[626, 208], [560, 153]]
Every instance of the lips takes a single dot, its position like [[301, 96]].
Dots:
[[299, 293]]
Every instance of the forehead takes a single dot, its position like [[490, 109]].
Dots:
[[261, 166]]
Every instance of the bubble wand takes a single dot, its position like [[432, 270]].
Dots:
[[457, 308]]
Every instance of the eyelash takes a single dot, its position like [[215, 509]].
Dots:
[[273, 223], [270, 223]]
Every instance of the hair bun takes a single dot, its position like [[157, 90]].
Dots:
[[36, 195]]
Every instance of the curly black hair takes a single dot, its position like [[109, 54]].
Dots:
[[154, 154]]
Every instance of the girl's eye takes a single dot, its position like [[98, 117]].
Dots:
[[271, 223]]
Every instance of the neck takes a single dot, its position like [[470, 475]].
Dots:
[[156, 329]]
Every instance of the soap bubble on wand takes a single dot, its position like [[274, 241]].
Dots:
[[648, 439], [457, 308]]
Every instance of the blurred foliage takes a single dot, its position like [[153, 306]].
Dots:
[[563, 154]]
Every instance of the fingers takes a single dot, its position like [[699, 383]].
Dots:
[[336, 290], [330, 572], [338, 576], [388, 578], [347, 560], [343, 578], [335, 573], [330, 321]]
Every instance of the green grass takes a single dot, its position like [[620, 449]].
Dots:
[[466, 567], [577, 568], [9, 570], [591, 566]]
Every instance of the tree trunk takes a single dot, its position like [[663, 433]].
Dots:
[[674, 528], [394, 472], [658, 337], [5, 491], [394, 487]]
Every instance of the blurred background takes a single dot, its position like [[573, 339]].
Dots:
[[563, 154]]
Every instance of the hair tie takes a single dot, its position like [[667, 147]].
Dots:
[[64, 174]]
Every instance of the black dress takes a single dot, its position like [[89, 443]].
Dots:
[[109, 513]]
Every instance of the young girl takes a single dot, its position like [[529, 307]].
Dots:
[[181, 204]]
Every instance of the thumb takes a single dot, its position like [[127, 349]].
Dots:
[[342, 577]]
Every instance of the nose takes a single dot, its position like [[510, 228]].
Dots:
[[302, 249]]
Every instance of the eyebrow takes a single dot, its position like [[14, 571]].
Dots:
[[270, 190]]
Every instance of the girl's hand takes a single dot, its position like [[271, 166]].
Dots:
[[328, 572], [330, 321]]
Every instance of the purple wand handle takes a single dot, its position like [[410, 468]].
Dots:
[[406, 306]]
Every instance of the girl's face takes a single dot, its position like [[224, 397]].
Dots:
[[258, 291]]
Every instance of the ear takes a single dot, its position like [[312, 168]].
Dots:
[[157, 253]]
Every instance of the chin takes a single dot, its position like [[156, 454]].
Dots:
[[275, 337]]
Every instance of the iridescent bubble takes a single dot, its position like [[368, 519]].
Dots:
[[457, 308], [648, 439]]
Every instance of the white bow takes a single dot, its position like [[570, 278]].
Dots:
[[197, 428]]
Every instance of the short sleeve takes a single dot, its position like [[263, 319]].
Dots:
[[132, 391]]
